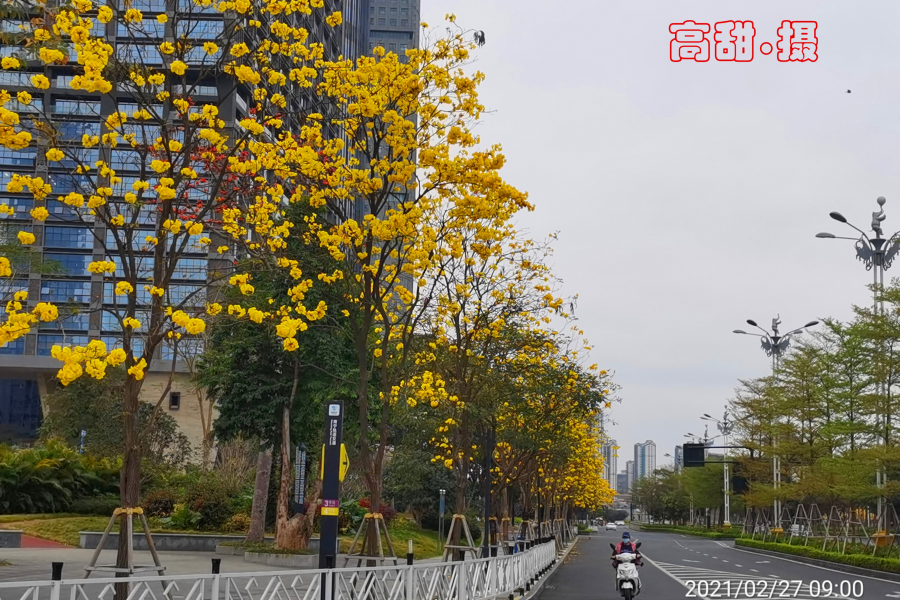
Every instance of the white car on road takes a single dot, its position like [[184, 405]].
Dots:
[[610, 526]]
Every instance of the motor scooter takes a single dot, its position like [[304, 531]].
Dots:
[[628, 582]]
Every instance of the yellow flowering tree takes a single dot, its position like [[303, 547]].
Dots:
[[165, 183], [412, 173]]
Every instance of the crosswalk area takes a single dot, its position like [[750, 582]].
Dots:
[[709, 584]]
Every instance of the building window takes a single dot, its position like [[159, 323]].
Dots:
[[20, 411], [21, 158], [14, 347], [393, 11], [382, 10], [381, 21], [68, 237], [393, 23], [67, 264], [392, 47], [174, 400], [46, 342], [66, 291], [372, 21], [403, 48], [404, 11]]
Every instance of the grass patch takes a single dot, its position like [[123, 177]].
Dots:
[[264, 548], [714, 534], [877, 563], [63, 530], [5, 563], [37, 517]]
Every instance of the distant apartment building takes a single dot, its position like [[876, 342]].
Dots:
[[622, 482], [679, 458], [629, 473], [644, 459], [610, 462]]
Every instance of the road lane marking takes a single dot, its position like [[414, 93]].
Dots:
[[737, 565], [741, 584], [754, 570], [762, 562], [692, 561]]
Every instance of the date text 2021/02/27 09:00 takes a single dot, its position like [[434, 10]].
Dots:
[[773, 588]]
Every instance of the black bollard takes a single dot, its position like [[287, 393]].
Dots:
[[56, 571], [409, 552], [216, 565]]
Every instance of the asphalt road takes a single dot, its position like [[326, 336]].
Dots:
[[679, 566]]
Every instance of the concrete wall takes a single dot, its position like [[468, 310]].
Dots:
[[169, 542], [10, 538], [188, 415]]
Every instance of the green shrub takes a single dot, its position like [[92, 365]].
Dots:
[[160, 503], [238, 523], [878, 563], [715, 534], [49, 477], [182, 518], [98, 505]]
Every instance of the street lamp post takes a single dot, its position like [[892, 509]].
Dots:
[[877, 254], [724, 426], [774, 344]]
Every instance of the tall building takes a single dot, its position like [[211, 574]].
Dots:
[[55, 268], [609, 451], [622, 482], [394, 25], [629, 473], [644, 459], [679, 458]]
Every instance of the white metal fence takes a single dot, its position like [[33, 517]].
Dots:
[[485, 578]]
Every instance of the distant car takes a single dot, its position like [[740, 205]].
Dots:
[[621, 523], [610, 526]]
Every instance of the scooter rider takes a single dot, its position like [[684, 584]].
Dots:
[[626, 546]]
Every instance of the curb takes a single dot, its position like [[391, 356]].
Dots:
[[539, 586], [834, 566]]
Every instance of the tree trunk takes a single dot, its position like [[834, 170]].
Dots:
[[130, 475], [257, 531], [287, 530]]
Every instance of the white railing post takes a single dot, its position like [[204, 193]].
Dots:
[[410, 583], [329, 585], [461, 591]]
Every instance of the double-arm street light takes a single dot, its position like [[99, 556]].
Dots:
[[877, 254], [775, 344], [724, 426]]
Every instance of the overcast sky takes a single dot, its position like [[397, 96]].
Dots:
[[687, 195]]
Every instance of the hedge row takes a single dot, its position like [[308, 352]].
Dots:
[[889, 565], [707, 533]]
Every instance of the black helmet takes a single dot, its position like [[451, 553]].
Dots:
[[626, 535]]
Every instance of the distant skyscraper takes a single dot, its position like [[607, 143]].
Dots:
[[629, 472], [394, 25], [644, 459], [679, 458], [622, 482], [610, 463]]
